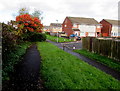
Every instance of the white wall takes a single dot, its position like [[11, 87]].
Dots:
[[82, 34], [114, 32], [56, 29], [91, 29], [91, 34]]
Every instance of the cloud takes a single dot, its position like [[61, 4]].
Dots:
[[58, 9]]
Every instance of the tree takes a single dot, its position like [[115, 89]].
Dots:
[[23, 11], [37, 13], [27, 22]]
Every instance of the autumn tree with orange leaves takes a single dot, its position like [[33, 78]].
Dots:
[[28, 23]]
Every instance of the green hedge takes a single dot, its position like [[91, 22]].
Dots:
[[37, 37], [9, 59]]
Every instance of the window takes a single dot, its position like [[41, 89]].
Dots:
[[114, 34], [74, 25]]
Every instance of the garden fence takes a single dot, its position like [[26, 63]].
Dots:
[[105, 46]]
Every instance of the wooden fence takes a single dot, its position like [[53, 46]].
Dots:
[[105, 46]]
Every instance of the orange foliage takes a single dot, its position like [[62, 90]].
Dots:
[[32, 24]]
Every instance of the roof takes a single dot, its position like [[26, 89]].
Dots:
[[56, 24], [113, 22], [46, 27], [82, 20]]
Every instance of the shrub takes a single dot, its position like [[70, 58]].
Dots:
[[37, 37], [9, 39]]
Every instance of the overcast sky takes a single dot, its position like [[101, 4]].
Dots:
[[58, 9]]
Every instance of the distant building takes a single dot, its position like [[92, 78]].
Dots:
[[110, 28], [55, 27], [81, 26], [46, 29]]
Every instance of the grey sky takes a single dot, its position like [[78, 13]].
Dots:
[[58, 9]]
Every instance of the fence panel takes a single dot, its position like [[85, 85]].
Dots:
[[106, 47]]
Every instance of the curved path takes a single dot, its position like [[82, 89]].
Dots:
[[27, 72], [94, 63]]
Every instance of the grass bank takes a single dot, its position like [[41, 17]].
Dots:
[[61, 70], [13, 58], [60, 39], [102, 59]]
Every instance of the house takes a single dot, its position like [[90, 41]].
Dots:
[[110, 28], [55, 27], [81, 26], [46, 29]]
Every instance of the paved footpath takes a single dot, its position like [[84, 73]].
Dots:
[[27, 72], [94, 63]]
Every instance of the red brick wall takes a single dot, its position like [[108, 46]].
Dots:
[[106, 28], [68, 29]]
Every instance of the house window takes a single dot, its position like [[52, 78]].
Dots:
[[114, 34], [75, 25]]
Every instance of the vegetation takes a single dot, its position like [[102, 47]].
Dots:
[[105, 46], [102, 59], [15, 41], [37, 37], [58, 39], [12, 58], [27, 25], [61, 70]]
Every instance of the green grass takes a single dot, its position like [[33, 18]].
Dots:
[[102, 59], [13, 58], [60, 39], [61, 70]]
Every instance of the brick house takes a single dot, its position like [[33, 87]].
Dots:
[[110, 28], [55, 27], [81, 26]]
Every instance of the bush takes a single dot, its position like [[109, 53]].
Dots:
[[9, 39], [37, 37]]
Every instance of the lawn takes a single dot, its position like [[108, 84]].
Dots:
[[61, 70], [60, 39], [13, 58], [102, 59]]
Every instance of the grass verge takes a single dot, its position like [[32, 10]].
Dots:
[[102, 59], [13, 58], [61, 70], [60, 39]]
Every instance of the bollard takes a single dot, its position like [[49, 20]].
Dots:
[[63, 46], [73, 47]]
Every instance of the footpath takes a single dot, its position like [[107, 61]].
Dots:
[[94, 63], [26, 76]]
